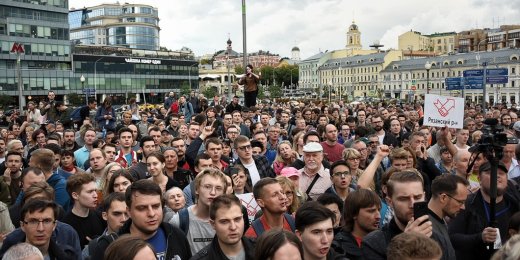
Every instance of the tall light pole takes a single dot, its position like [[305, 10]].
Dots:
[[95, 77], [330, 90], [484, 64], [82, 79], [244, 40], [189, 75], [428, 66]]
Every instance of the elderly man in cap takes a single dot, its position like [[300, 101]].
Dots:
[[314, 178], [469, 231]]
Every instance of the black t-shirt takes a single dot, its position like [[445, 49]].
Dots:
[[91, 226]]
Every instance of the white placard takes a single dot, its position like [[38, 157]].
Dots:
[[248, 200], [443, 111]]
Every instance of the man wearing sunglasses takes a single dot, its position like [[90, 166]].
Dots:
[[258, 166]]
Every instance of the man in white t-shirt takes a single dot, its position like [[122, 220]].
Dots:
[[258, 166]]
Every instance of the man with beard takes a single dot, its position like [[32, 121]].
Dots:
[[83, 217], [144, 205], [331, 148], [449, 194], [272, 200], [69, 142], [172, 170], [384, 138], [403, 190], [180, 147], [226, 217], [126, 157], [470, 232], [173, 127], [361, 216], [12, 177], [139, 170], [315, 179]]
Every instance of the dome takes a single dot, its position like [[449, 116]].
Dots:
[[229, 42], [353, 26], [295, 48]]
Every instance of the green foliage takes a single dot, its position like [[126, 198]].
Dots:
[[239, 70], [275, 91], [205, 61], [6, 100], [185, 88], [76, 99], [209, 92]]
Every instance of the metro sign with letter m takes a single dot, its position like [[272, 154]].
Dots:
[[17, 48]]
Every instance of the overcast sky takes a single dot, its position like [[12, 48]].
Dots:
[[314, 25]]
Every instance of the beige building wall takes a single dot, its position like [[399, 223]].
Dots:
[[443, 44], [414, 41]]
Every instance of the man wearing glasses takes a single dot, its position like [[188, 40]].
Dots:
[[449, 193], [258, 166], [38, 223]]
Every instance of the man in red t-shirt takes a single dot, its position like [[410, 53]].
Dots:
[[331, 148], [272, 200]]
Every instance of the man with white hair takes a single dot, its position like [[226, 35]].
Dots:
[[315, 179], [23, 251]]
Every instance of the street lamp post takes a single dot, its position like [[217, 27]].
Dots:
[[330, 90], [82, 79], [95, 77], [428, 66], [484, 64]]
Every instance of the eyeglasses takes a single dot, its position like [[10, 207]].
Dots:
[[348, 129], [33, 223], [373, 142], [232, 132], [245, 147], [354, 159], [288, 193], [210, 188], [377, 122], [341, 174], [461, 202]]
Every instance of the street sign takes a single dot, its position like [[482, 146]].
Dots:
[[473, 73], [454, 83], [89, 91], [473, 82], [17, 48], [497, 76], [413, 87]]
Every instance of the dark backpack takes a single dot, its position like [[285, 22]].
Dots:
[[259, 228], [184, 220], [75, 116], [93, 244]]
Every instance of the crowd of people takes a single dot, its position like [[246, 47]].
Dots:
[[331, 181]]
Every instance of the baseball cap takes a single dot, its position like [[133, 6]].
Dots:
[[312, 147], [289, 172], [364, 140], [487, 167]]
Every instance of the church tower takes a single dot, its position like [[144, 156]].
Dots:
[[295, 53], [353, 37]]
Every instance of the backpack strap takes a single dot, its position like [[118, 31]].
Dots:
[[310, 186], [258, 227], [291, 222], [184, 220]]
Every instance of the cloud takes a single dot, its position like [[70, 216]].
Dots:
[[313, 25]]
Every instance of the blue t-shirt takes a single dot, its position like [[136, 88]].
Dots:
[[158, 242], [128, 158]]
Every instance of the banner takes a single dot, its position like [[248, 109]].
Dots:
[[443, 111], [248, 200]]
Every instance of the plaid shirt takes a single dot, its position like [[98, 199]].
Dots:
[[263, 167]]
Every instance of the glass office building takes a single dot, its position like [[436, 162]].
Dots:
[[128, 25]]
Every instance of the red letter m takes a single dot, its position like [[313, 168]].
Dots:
[[17, 48]]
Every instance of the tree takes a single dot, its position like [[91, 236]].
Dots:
[[205, 61], [283, 74], [185, 89], [267, 77], [209, 92], [75, 99], [6, 100], [239, 70], [275, 91]]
